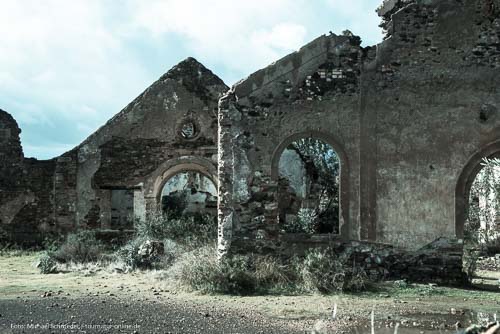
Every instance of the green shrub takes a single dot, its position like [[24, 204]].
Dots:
[[188, 229], [400, 284], [175, 204], [129, 254], [235, 276], [172, 251], [176, 234], [46, 264], [52, 243], [145, 253], [322, 272], [357, 280], [238, 274], [79, 247], [325, 271], [305, 222]]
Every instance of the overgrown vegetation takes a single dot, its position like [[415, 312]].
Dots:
[[200, 270], [326, 271], [47, 264], [320, 271], [80, 247], [183, 247], [482, 228], [187, 229], [322, 170], [163, 236]]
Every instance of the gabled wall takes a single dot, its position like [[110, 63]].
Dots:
[[118, 172]]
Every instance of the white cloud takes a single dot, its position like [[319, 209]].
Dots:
[[286, 36], [76, 63], [242, 35], [58, 60]]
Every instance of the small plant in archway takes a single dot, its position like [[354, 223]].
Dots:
[[309, 187]]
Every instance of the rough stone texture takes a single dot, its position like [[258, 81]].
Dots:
[[309, 93], [410, 120], [439, 261], [119, 171]]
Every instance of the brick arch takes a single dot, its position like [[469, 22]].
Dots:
[[344, 223], [465, 181]]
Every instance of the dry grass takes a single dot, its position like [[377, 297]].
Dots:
[[18, 278]]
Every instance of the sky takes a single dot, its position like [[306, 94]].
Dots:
[[66, 67]]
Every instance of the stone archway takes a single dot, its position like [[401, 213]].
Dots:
[[465, 181], [344, 228], [181, 168], [189, 192], [153, 186]]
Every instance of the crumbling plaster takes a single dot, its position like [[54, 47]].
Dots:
[[409, 113], [410, 119], [134, 151]]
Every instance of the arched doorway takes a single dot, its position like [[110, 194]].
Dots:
[[190, 180], [310, 169], [477, 210], [189, 192], [465, 182]]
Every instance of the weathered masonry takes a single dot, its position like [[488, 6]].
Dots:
[[410, 120], [120, 171]]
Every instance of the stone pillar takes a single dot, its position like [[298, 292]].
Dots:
[[225, 206]]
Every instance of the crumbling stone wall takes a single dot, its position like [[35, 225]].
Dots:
[[13, 181], [117, 173], [410, 118], [27, 198], [139, 148], [427, 97], [311, 93]]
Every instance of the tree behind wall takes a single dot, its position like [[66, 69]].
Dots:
[[322, 165], [483, 225]]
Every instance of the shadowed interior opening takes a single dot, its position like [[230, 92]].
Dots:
[[308, 187]]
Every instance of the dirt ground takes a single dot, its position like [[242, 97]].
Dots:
[[102, 301]]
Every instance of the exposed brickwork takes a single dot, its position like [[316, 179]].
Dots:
[[131, 153], [410, 120], [405, 118]]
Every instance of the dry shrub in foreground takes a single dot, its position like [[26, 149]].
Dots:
[[80, 247], [325, 271], [248, 274]]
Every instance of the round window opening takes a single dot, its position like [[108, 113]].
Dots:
[[188, 130]]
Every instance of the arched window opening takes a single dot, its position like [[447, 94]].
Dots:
[[481, 229], [482, 226], [308, 187], [189, 192]]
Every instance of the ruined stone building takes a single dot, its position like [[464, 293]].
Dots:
[[410, 120], [119, 171]]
